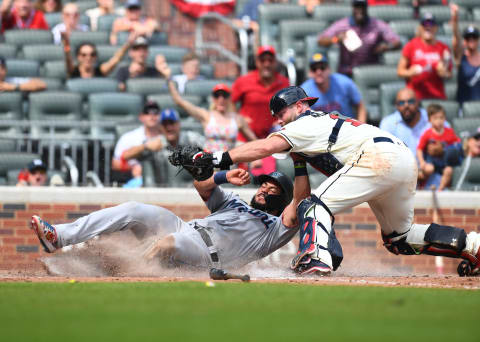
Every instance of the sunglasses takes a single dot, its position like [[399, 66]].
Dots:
[[151, 113], [322, 67], [401, 103], [221, 93], [93, 54]]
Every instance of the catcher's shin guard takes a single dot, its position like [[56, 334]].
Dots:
[[318, 242]]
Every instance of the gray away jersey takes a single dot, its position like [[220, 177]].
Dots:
[[241, 233]]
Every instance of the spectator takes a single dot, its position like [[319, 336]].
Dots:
[[70, 22], [105, 7], [255, 89], [34, 175], [49, 6], [221, 123], [438, 138], [133, 21], [175, 136], [87, 59], [190, 69], [18, 83], [426, 62], [22, 15], [472, 145], [335, 92], [134, 144], [362, 38], [467, 60], [138, 66]]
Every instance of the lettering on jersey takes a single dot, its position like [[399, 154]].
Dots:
[[243, 208]]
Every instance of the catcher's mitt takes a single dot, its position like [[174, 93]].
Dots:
[[198, 163]]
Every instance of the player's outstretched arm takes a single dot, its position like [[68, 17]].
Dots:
[[236, 177]]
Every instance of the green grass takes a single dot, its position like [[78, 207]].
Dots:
[[233, 312]]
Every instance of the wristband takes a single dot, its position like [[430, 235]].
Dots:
[[220, 177], [334, 40], [300, 168]]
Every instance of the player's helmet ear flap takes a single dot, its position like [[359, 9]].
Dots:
[[278, 202], [288, 96]]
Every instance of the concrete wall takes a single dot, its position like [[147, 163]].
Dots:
[[356, 229]]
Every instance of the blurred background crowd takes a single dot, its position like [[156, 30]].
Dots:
[[95, 92]]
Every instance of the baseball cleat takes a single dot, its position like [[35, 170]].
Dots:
[[47, 234], [314, 267]]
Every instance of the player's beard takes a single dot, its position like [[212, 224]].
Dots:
[[254, 204]]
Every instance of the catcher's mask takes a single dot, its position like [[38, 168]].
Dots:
[[278, 202], [288, 96]]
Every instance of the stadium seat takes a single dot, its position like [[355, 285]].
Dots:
[[448, 31], [43, 53], [116, 108], [64, 107], [368, 79], [451, 107], [466, 126], [442, 13], [471, 109], [53, 83], [173, 54], [147, 86], [157, 38], [10, 109], [328, 13], [87, 86], [22, 68], [166, 101], [7, 145], [405, 28], [8, 51], [392, 57], [105, 52], [476, 14], [53, 18], [311, 47], [388, 95], [471, 170], [292, 36], [105, 22], [451, 89], [389, 13], [469, 5], [239, 6], [203, 88], [333, 58], [54, 69], [286, 167], [15, 161], [96, 37], [269, 16], [28, 37], [86, 5], [192, 124]]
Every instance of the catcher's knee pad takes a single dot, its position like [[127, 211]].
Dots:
[[317, 238]]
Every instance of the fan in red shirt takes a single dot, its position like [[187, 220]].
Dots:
[[22, 15], [426, 62], [432, 145]]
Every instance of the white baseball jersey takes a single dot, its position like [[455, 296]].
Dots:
[[364, 164]]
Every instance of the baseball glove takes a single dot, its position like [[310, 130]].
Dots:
[[198, 163]]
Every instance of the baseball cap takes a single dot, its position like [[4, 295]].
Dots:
[[169, 115], [140, 41], [221, 87], [36, 164], [428, 19], [359, 3], [471, 31], [151, 107], [266, 49], [318, 58], [133, 3]]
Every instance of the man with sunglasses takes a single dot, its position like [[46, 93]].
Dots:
[[133, 144], [426, 62], [335, 92]]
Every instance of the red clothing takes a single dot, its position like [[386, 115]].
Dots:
[[255, 99], [36, 20], [382, 2], [427, 85], [448, 137]]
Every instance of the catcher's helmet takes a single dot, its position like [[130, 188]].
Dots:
[[278, 201], [288, 96]]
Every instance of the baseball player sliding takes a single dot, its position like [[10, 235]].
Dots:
[[234, 234], [364, 164]]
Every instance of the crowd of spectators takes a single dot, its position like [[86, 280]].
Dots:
[[241, 112]]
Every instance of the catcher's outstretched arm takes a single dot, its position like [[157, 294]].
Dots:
[[259, 149], [237, 177]]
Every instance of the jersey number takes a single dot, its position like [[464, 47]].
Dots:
[[353, 122]]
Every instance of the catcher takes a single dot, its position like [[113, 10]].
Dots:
[[364, 164], [234, 234]]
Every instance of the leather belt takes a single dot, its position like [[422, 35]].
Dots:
[[208, 241]]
